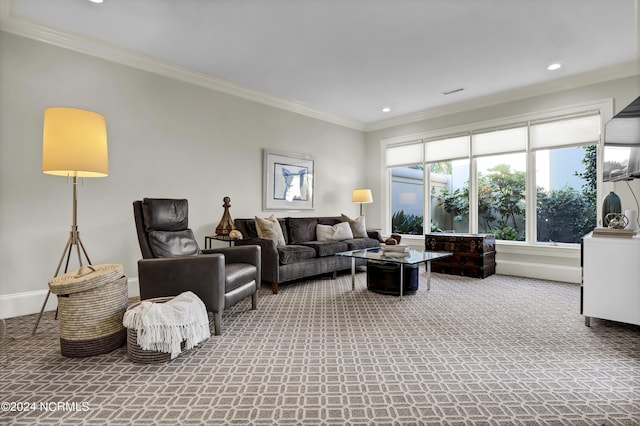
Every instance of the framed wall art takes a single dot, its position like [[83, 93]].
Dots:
[[288, 181]]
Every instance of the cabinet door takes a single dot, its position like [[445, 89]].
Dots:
[[611, 278]]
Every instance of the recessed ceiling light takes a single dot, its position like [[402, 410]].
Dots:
[[96, 1], [554, 67], [386, 109]]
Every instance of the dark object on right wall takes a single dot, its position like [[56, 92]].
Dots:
[[622, 145]]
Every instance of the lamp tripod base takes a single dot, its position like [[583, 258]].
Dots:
[[73, 241]]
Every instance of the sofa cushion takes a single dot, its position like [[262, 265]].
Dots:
[[338, 232], [327, 248], [330, 220], [361, 243], [173, 243], [270, 228], [357, 226], [247, 227], [293, 253], [302, 229]]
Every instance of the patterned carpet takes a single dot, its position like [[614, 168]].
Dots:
[[498, 351]]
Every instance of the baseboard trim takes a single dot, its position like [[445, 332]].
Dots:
[[18, 304], [570, 274]]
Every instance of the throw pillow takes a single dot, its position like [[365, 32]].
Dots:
[[357, 226], [337, 232], [270, 228]]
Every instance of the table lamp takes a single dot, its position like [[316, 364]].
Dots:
[[74, 144], [362, 196]]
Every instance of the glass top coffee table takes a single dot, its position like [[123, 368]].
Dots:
[[410, 257]]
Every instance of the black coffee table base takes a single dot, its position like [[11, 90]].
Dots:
[[384, 277]]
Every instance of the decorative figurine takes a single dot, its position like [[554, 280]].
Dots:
[[610, 204], [235, 235], [226, 223]]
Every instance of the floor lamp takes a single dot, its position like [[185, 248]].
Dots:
[[74, 144], [362, 196]]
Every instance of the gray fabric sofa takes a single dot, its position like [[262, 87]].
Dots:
[[302, 256]]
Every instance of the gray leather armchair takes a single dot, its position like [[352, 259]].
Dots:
[[173, 263]]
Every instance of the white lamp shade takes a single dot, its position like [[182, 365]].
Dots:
[[74, 143], [362, 196]]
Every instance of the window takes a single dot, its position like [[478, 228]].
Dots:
[[449, 183], [407, 200], [532, 181], [565, 178], [501, 181], [501, 196], [449, 189], [407, 188]]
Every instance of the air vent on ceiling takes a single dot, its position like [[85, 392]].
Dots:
[[449, 92]]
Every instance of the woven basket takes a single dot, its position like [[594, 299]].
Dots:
[[139, 355], [91, 303]]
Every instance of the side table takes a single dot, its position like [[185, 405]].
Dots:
[[209, 238]]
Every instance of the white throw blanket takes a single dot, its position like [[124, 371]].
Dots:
[[162, 327]]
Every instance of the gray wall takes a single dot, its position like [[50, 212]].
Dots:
[[166, 139]]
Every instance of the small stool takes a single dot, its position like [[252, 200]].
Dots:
[[91, 303], [384, 277]]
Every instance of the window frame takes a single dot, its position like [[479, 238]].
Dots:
[[602, 107]]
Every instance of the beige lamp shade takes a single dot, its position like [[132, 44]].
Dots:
[[362, 196], [74, 143]]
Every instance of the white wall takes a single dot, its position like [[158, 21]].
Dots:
[[555, 263], [166, 139]]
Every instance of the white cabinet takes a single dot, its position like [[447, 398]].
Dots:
[[611, 278]]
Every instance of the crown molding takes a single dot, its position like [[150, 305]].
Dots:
[[615, 72], [92, 47], [99, 49]]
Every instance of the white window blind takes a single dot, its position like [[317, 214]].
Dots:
[[572, 131], [446, 149], [404, 154], [499, 141]]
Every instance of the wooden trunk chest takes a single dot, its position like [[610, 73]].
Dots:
[[474, 255]]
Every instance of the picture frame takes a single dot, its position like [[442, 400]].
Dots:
[[288, 181]]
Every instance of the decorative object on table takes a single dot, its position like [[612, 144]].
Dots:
[[166, 326], [613, 232], [74, 144], [235, 235], [610, 204], [362, 196], [391, 241], [288, 181], [616, 220], [632, 215], [396, 237], [226, 223], [92, 301], [394, 249]]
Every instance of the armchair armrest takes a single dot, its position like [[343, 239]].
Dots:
[[269, 257], [167, 276], [250, 254], [239, 254]]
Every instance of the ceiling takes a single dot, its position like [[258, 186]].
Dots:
[[352, 58]]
